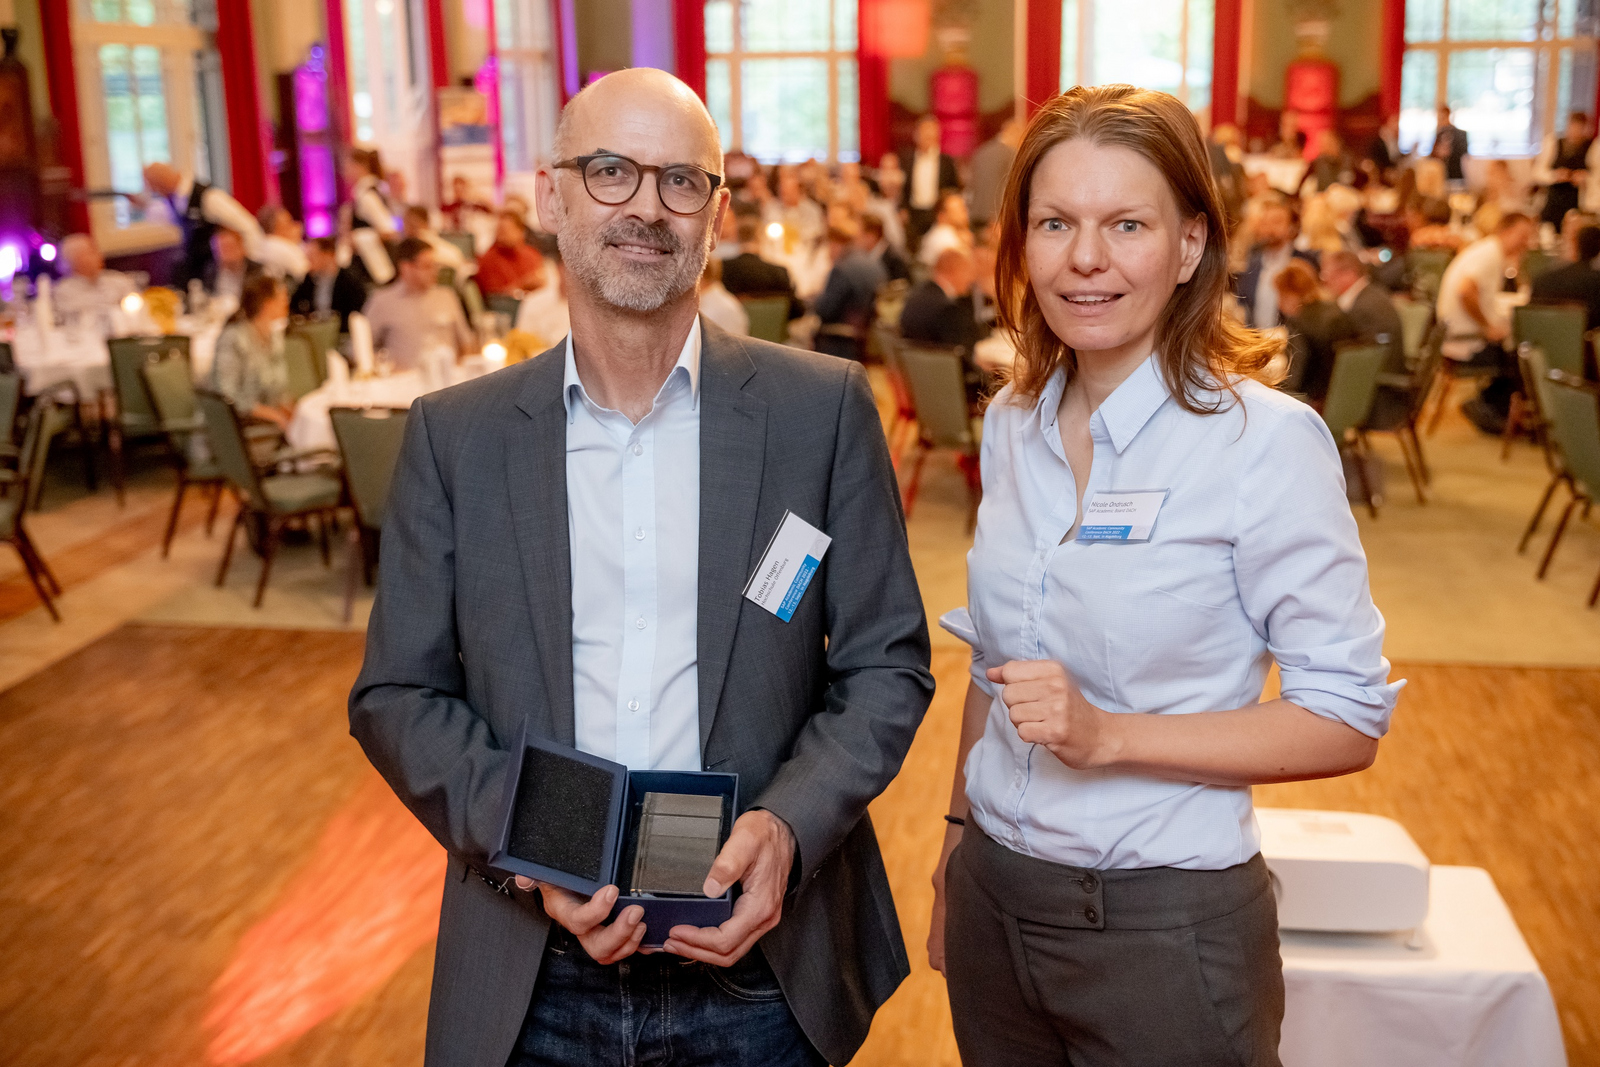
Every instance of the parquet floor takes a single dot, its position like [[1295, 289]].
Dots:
[[199, 866]]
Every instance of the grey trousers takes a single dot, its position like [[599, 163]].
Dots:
[[1161, 967]]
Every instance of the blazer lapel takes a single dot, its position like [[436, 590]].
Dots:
[[536, 478], [733, 438]]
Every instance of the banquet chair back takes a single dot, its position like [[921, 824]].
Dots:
[[128, 354], [45, 421], [369, 441], [8, 359], [472, 300], [769, 317], [230, 449], [1425, 267], [1556, 328], [1351, 388], [503, 304], [463, 242], [323, 336], [10, 397], [173, 397], [935, 379], [300, 362], [1574, 415], [1415, 317]]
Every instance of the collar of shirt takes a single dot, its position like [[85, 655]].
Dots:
[[1120, 416], [1347, 299], [687, 369]]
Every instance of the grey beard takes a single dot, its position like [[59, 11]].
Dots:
[[636, 287]]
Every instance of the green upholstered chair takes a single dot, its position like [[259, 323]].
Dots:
[[369, 442], [1350, 391], [172, 396], [935, 380], [45, 421], [769, 317], [133, 419], [1574, 415]]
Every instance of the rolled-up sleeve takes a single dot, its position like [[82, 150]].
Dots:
[[1302, 576]]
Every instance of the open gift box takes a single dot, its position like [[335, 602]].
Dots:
[[581, 822]]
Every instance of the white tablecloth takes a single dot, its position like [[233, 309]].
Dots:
[[1284, 175], [79, 355], [312, 426], [1469, 995]]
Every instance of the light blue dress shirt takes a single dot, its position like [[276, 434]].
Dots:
[[1255, 557], [633, 514]]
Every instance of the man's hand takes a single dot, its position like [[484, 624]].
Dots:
[[585, 920], [758, 855], [1049, 709]]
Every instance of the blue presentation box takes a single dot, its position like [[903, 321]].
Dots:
[[572, 819]]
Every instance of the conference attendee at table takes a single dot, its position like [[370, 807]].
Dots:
[[230, 267], [885, 202], [938, 310], [849, 298], [1449, 145], [952, 229], [802, 218], [249, 367], [1316, 325], [566, 546], [198, 209], [328, 289], [281, 250], [414, 315], [876, 244], [751, 274], [462, 205], [1157, 529], [1369, 306], [544, 312], [510, 265], [1477, 323], [1383, 149], [1563, 167], [415, 222], [1332, 164], [1274, 232], [929, 173], [990, 163], [89, 289], [1571, 283], [720, 306]]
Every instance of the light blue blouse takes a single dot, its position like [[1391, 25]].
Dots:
[[1254, 557]]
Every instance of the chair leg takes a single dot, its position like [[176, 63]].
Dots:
[[38, 586], [1447, 381], [1411, 466], [177, 508], [216, 503], [227, 548], [269, 548], [115, 443], [91, 476], [38, 560], [1538, 514], [909, 501], [1513, 424], [358, 563], [1555, 538], [322, 536], [1410, 431]]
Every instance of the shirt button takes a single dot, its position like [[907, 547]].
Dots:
[[633, 705], [638, 449], [640, 622], [638, 535]]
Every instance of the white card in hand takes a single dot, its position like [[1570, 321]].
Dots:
[[786, 567]]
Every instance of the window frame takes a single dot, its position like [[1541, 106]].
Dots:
[[1077, 48]]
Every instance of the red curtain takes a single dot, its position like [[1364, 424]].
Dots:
[[1392, 56], [236, 45], [1044, 52], [1225, 63], [56, 16], [689, 43], [872, 84]]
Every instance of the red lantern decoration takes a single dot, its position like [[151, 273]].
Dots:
[[895, 29]]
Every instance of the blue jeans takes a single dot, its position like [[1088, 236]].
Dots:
[[657, 1010]]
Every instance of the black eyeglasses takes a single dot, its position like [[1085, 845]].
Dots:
[[612, 179]]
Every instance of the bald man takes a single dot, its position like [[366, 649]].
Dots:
[[566, 551], [90, 289]]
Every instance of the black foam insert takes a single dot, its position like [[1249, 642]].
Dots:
[[559, 819]]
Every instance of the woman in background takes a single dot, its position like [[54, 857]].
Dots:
[[249, 368], [1316, 326]]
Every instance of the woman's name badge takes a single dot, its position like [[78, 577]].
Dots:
[[1128, 515]]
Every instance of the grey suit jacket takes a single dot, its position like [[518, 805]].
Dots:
[[471, 635], [1373, 315]]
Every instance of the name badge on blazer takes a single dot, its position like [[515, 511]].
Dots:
[[792, 557], [1127, 515]]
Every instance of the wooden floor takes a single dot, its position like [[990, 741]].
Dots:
[[200, 866]]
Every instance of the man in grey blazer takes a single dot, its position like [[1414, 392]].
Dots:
[[567, 545], [1370, 308]]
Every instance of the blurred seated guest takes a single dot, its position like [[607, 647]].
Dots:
[[747, 274], [1315, 325], [1291, 143], [229, 269], [1327, 223], [849, 300], [198, 209], [802, 218], [248, 368], [510, 265], [1476, 321], [1273, 250], [328, 289], [1577, 282], [718, 305], [728, 235], [1563, 167], [951, 229], [90, 289], [1571, 226], [878, 247], [1332, 165], [938, 310], [414, 314], [1372, 314], [1383, 151], [416, 223], [462, 204], [884, 203], [543, 312], [1428, 226], [281, 251], [929, 172], [1432, 179], [985, 307]]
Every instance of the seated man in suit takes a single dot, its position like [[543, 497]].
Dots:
[[1577, 282], [850, 297], [566, 549], [1316, 327], [938, 310], [747, 274], [328, 288], [1273, 249], [877, 245], [1370, 309]]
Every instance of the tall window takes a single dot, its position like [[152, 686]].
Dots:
[[529, 95], [1154, 44], [781, 78], [1510, 70], [388, 95], [138, 63]]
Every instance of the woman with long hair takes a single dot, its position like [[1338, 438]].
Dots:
[[1158, 527], [249, 367]]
